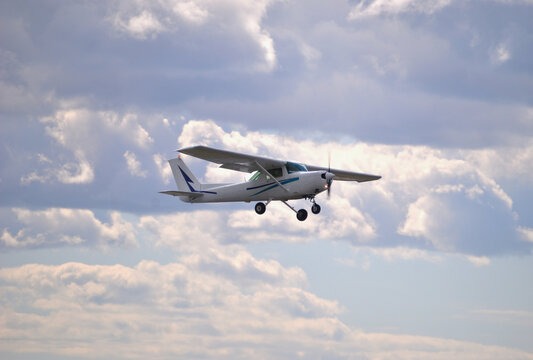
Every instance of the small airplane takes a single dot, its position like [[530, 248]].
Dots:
[[272, 180]]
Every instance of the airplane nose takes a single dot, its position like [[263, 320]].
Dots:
[[327, 176]]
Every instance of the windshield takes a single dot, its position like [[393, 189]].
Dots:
[[295, 167]]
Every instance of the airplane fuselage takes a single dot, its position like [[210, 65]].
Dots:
[[292, 186]]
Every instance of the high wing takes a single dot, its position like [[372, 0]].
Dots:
[[343, 175], [249, 163], [232, 160]]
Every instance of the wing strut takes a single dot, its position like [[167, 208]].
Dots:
[[267, 174]]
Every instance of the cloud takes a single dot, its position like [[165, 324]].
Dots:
[[434, 96], [375, 81], [438, 196], [191, 12], [55, 227], [242, 20], [432, 199], [479, 260], [526, 233], [163, 168], [80, 172], [500, 54], [373, 8], [141, 26], [85, 133], [132, 310], [134, 166]]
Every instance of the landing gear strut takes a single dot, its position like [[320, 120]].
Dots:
[[315, 209], [301, 214]]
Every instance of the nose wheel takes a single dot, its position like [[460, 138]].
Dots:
[[315, 209]]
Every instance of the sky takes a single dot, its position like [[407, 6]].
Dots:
[[433, 261]]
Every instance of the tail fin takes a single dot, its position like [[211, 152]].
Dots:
[[183, 176]]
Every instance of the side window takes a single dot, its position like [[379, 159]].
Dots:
[[277, 172], [256, 176]]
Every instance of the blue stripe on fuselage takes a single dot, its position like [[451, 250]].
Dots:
[[271, 185]]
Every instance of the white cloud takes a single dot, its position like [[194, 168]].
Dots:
[[133, 310], [87, 134], [526, 233], [127, 126], [373, 8], [240, 19], [134, 166], [141, 26], [506, 163], [163, 168], [449, 200], [500, 54], [186, 230], [191, 12], [66, 227], [479, 260], [80, 172], [437, 196]]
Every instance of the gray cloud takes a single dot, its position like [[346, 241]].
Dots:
[[437, 200], [94, 97], [409, 79]]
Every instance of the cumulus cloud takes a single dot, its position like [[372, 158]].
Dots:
[[80, 172], [438, 196], [85, 134], [432, 199], [141, 26], [134, 166], [148, 19], [163, 168], [55, 227], [134, 310], [436, 92], [393, 7]]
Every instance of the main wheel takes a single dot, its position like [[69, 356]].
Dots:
[[301, 214], [260, 208], [315, 209]]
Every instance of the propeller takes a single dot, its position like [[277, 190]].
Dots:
[[330, 178]]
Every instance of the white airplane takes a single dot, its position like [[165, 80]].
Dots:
[[273, 180]]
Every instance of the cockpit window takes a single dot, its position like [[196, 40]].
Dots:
[[258, 175], [295, 167]]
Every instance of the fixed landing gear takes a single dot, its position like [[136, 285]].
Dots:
[[315, 209], [301, 214], [260, 208]]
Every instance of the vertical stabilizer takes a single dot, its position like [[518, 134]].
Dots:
[[183, 176]]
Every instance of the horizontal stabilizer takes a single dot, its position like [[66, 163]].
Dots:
[[191, 195]]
